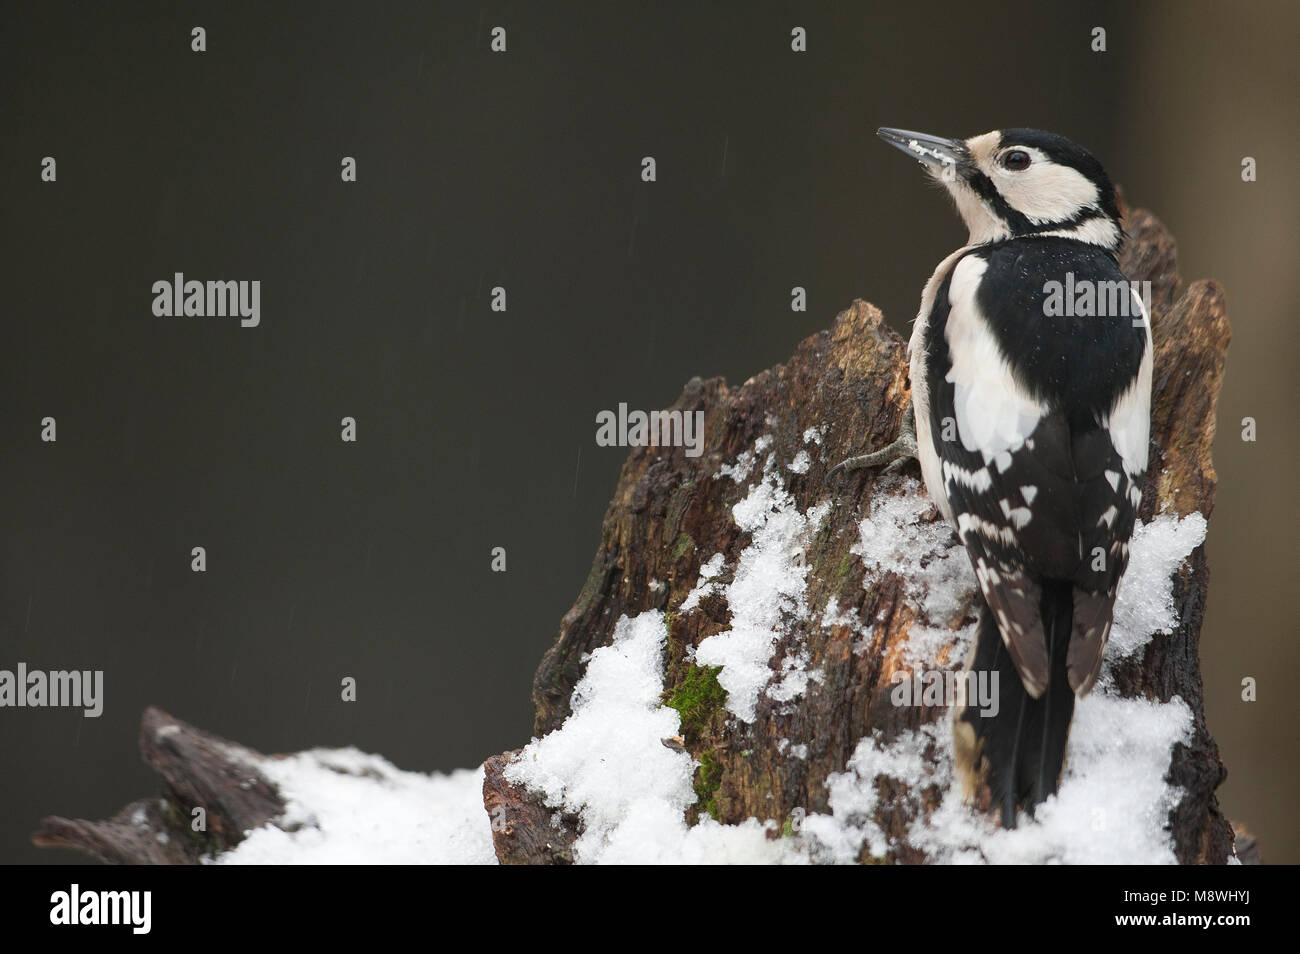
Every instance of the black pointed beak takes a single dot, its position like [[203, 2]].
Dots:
[[936, 154]]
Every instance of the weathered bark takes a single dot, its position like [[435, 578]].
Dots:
[[201, 770], [524, 832], [669, 513]]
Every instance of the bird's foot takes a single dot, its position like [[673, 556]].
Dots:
[[896, 455]]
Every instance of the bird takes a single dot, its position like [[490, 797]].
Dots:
[[1031, 422]]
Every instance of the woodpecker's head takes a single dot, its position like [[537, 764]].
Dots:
[[1014, 182]]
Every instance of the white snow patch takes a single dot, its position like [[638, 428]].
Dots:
[[1112, 806], [801, 463], [355, 808], [709, 571], [740, 470], [785, 747], [840, 836], [936, 572], [1144, 605], [793, 678], [814, 435], [832, 615], [767, 591], [607, 762]]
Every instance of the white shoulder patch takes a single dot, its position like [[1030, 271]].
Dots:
[[1129, 421], [994, 414], [935, 480]]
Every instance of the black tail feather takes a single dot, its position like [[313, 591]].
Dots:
[[1022, 748]]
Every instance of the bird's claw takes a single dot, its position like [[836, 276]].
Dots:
[[895, 456]]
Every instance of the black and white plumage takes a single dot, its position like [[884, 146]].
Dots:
[[1032, 431]]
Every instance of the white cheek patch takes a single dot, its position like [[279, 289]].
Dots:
[[1044, 192], [994, 414]]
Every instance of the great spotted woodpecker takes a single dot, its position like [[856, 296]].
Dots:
[[1031, 424]]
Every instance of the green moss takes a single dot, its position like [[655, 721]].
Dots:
[[698, 698], [685, 544], [708, 779]]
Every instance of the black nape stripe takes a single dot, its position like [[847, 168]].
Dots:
[[1084, 215], [986, 190], [1018, 223]]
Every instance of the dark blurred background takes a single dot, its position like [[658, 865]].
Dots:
[[476, 429]]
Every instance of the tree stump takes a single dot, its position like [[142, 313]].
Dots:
[[842, 392]]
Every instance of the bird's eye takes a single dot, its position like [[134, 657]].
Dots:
[[1015, 160]]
